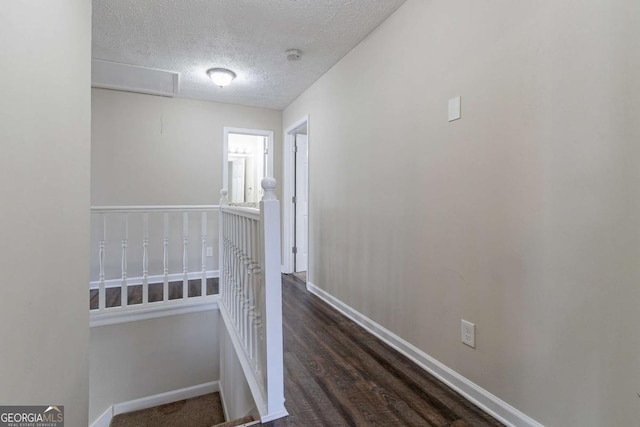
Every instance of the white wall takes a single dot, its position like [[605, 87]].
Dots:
[[44, 223], [522, 217], [150, 150], [139, 359]]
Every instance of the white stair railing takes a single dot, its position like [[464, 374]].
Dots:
[[127, 238], [251, 296]]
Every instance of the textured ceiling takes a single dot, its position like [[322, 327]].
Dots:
[[246, 36]]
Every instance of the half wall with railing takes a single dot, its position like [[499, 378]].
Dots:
[[251, 296], [153, 261], [150, 259]]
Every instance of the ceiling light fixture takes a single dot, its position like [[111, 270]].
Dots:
[[221, 76]]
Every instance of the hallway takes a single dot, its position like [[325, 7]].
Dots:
[[336, 374]]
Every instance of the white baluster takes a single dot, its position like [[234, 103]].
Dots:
[[250, 287], [165, 258], [259, 332], [229, 259], [245, 279], [123, 291], [232, 264], [257, 275], [240, 274], [238, 301], [222, 261], [222, 245], [236, 270], [222, 256], [224, 274], [232, 269], [203, 231], [259, 292], [145, 258], [101, 256], [244, 305], [185, 255]]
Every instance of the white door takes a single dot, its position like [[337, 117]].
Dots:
[[302, 203]]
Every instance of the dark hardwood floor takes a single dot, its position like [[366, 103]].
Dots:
[[337, 374]]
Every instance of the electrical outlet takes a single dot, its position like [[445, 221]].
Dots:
[[468, 333], [209, 251]]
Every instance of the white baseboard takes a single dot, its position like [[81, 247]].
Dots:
[[274, 416], [158, 399], [164, 398], [491, 404], [158, 278], [105, 419], [224, 403]]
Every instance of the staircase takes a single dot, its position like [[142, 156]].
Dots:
[[202, 411], [249, 303]]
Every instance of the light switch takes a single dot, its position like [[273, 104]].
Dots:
[[454, 108]]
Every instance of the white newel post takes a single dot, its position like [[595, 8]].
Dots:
[[270, 218], [222, 268]]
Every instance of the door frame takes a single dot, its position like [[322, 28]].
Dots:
[[242, 131], [288, 185]]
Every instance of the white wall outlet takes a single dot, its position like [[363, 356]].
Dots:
[[209, 251], [454, 108], [468, 333]]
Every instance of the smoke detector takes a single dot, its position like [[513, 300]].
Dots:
[[294, 54]]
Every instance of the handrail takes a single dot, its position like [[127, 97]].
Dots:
[[253, 213]]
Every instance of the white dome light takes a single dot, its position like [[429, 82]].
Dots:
[[221, 76]]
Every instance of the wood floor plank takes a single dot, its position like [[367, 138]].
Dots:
[[427, 387], [337, 357], [304, 390], [333, 377], [337, 374], [430, 410]]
